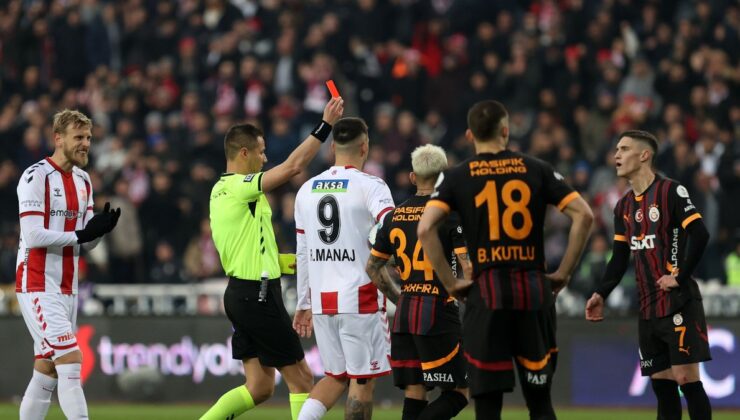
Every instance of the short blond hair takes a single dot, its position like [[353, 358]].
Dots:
[[63, 119], [428, 161]]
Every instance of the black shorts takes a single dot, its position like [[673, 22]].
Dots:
[[262, 330], [431, 360], [497, 340], [677, 339]]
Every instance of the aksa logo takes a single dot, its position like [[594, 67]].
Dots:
[[642, 242]]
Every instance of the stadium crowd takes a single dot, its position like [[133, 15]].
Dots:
[[163, 80]]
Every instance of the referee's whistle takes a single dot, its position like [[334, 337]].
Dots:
[[262, 297]]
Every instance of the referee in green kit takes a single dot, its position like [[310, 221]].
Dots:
[[241, 222]]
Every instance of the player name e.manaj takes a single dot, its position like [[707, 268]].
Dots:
[[333, 254], [506, 253], [497, 167]]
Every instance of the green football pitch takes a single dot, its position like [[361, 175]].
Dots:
[[189, 412]]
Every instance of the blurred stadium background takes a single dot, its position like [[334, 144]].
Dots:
[[164, 79]]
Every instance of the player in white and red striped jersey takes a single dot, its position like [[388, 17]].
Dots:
[[56, 216], [334, 213]]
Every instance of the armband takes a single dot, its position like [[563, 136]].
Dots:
[[322, 131]]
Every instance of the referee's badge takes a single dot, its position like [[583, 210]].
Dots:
[[677, 319]]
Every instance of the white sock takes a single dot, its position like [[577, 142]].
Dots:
[[36, 400], [312, 410], [71, 397]]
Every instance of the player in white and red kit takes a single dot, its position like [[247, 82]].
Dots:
[[334, 213], [56, 216]]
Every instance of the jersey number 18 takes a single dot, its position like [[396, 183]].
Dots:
[[489, 196]]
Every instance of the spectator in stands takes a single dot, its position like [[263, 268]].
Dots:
[[201, 259], [165, 81], [126, 242], [167, 267]]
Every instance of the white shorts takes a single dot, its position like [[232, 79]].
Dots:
[[353, 345], [51, 319]]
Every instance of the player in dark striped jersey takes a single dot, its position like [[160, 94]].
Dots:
[[657, 221], [425, 341], [501, 197]]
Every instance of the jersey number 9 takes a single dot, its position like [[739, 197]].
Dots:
[[328, 212]]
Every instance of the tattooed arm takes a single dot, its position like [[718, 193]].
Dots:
[[467, 266], [378, 272]]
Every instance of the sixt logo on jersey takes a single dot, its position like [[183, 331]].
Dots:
[[334, 185], [642, 242]]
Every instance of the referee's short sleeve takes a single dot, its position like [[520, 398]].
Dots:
[[251, 186]]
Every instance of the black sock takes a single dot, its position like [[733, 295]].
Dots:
[[488, 406], [539, 402], [697, 401], [446, 406], [412, 408], [669, 402]]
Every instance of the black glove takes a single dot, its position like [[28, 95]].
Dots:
[[113, 215], [99, 225]]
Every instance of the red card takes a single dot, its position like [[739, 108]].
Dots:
[[332, 88]]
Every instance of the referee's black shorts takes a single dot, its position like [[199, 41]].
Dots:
[[261, 329]]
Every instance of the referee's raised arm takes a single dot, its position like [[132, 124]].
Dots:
[[264, 338], [305, 152]]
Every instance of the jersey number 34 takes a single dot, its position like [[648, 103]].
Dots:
[[417, 261]]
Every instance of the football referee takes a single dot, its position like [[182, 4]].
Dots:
[[264, 339]]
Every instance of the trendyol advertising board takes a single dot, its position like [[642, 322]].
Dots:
[[175, 359]]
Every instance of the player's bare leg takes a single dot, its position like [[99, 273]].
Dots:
[[69, 392], [299, 379], [323, 397], [360, 400], [414, 402], [260, 380], [37, 398]]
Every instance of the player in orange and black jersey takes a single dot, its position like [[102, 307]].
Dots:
[[425, 341], [659, 224], [501, 197]]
